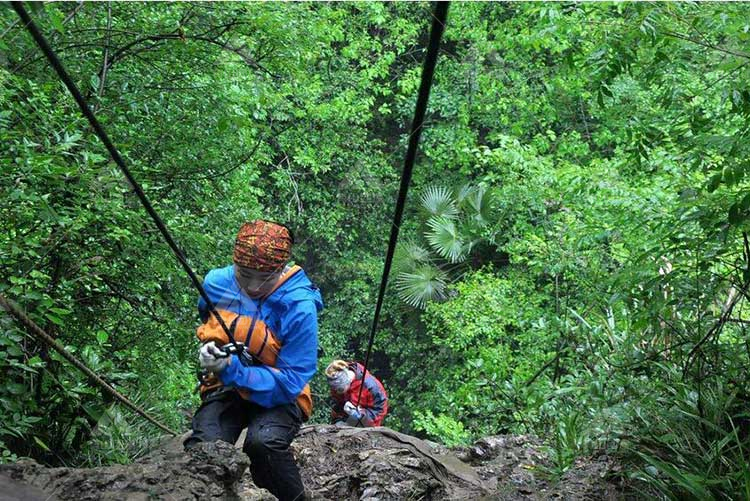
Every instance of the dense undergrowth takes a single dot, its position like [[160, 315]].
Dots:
[[574, 262]]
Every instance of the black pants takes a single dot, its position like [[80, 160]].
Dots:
[[222, 416]]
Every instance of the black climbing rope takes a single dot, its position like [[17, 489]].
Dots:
[[438, 26], [436, 32], [115, 154]]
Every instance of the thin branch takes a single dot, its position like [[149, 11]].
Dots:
[[9, 28], [549, 363], [723, 77], [55, 34], [103, 72], [734, 297], [706, 45], [234, 167], [240, 51]]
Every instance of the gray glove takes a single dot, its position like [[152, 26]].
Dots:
[[212, 358], [355, 416]]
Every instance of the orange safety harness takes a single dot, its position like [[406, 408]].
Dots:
[[259, 342]]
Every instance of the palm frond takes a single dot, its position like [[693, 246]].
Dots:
[[463, 192], [445, 239], [426, 283], [438, 201], [409, 256], [481, 202]]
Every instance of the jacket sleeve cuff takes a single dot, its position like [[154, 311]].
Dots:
[[232, 372]]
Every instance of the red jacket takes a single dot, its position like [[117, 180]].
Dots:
[[373, 402]]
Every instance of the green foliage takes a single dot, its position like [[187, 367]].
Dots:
[[442, 427], [425, 283], [587, 281], [456, 222], [695, 448], [570, 440], [445, 239], [438, 202], [119, 438], [477, 340]]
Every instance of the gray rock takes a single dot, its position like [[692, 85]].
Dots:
[[337, 463]]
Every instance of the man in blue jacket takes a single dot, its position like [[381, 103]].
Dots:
[[271, 309]]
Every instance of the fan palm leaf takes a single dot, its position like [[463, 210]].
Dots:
[[481, 201], [438, 201], [409, 256], [426, 283], [463, 192], [445, 238]]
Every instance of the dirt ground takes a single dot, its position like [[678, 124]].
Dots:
[[337, 463]]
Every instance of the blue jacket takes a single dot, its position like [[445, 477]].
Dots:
[[291, 312]]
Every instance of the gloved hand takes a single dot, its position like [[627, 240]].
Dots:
[[355, 416], [212, 358], [352, 410]]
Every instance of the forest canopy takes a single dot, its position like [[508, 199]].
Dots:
[[574, 260]]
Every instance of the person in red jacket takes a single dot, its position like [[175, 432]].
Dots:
[[346, 379]]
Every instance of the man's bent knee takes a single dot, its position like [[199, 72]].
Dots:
[[197, 438], [267, 439]]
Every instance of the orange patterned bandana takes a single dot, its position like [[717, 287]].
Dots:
[[263, 246]]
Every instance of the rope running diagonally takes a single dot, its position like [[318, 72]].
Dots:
[[436, 32], [115, 154], [14, 310]]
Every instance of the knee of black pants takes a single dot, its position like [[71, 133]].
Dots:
[[266, 439], [220, 417]]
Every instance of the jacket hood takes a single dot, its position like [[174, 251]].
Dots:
[[298, 287], [358, 369]]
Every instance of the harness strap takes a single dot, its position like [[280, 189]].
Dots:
[[282, 279]]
